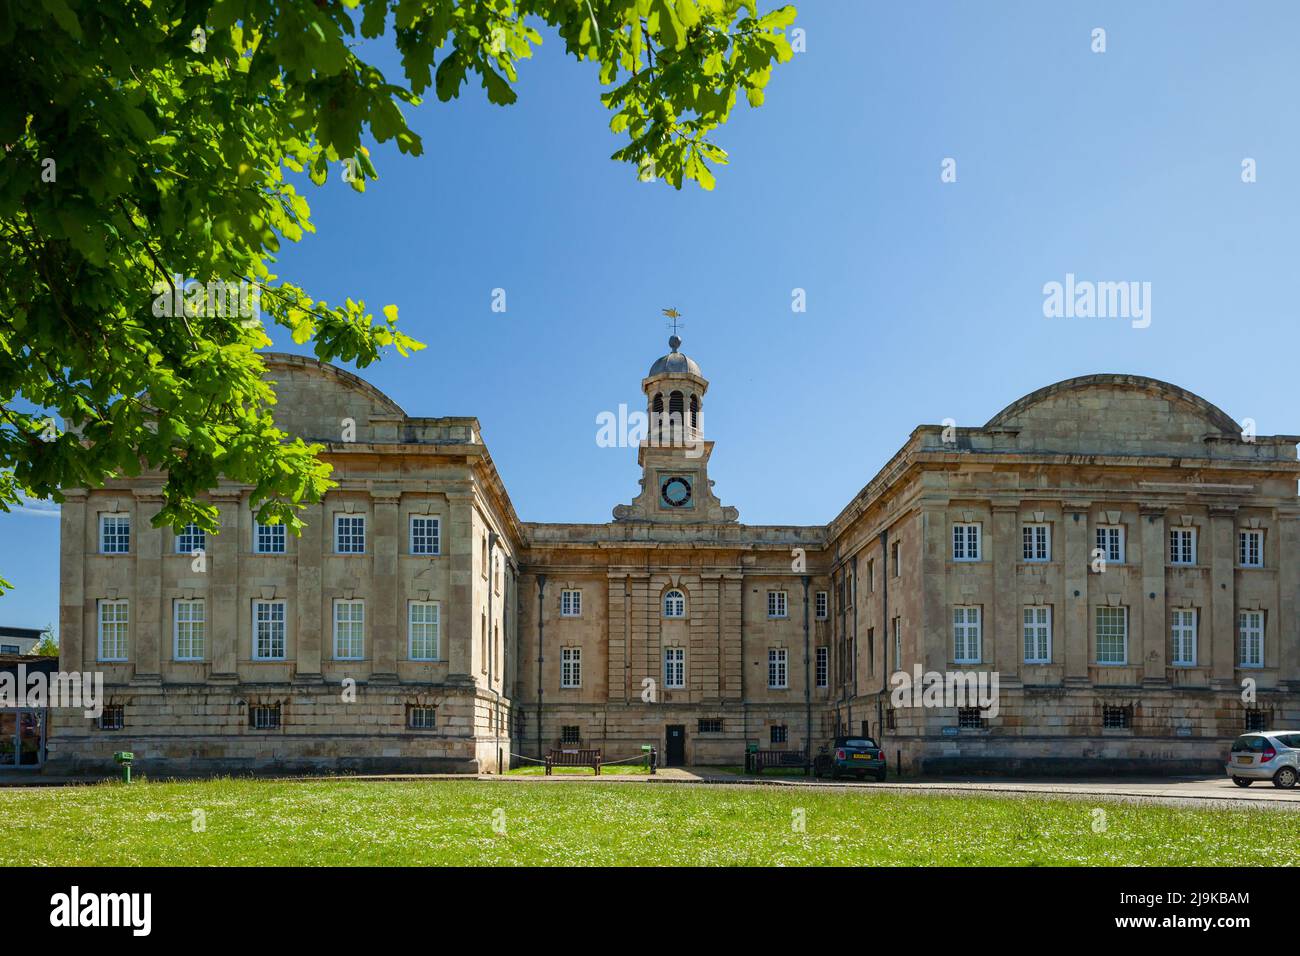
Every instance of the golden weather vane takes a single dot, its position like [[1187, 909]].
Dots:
[[675, 316]]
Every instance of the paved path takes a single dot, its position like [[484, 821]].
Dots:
[[1186, 791]]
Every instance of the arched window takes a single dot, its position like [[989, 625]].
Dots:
[[695, 412], [674, 604], [657, 418], [676, 412]]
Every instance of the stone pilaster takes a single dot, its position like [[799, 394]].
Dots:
[[386, 594], [460, 612], [226, 613], [1288, 583], [1074, 625], [1152, 619], [72, 581], [1223, 597], [1008, 652], [932, 635], [310, 613], [147, 613]]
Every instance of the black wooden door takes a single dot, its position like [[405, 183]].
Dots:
[[676, 753]]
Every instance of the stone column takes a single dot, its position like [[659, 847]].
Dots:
[[225, 611], [1008, 653], [1155, 633], [146, 610], [309, 612], [1074, 603], [72, 581], [384, 585], [1223, 597]]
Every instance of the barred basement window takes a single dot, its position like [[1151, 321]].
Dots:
[[970, 718], [264, 716], [780, 734], [1256, 720], [113, 717], [570, 735], [421, 718], [1117, 718], [891, 722], [710, 725]]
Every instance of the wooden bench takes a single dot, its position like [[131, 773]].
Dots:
[[573, 758], [761, 759]]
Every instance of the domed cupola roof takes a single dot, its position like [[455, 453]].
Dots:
[[675, 362]]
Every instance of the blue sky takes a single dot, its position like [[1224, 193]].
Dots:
[[924, 298]]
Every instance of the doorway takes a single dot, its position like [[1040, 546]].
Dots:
[[675, 752]]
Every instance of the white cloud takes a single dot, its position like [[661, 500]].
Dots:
[[37, 506]]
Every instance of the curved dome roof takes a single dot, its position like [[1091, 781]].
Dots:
[[675, 362], [1211, 413]]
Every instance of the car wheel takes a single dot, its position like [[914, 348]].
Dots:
[[1242, 781], [1285, 778], [835, 773]]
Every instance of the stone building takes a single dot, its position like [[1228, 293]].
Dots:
[[1114, 548]]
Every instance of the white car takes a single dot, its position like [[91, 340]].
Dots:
[[1267, 755]]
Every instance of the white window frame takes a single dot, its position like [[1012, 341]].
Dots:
[[1111, 544], [896, 558], [822, 663], [349, 627], [778, 668], [193, 628], [283, 621], [898, 642], [1250, 631], [1106, 609], [1182, 546], [571, 602], [570, 667], [269, 538], [675, 668], [822, 603], [121, 539], [192, 538], [1036, 542], [1036, 633], [966, 540], [432, 543], [121, 638], [675, 603], [1182, 632], [967, 634], [1245, 535], [412, 626], [351, 536], [778, 605]]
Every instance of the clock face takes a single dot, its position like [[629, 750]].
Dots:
[[675, 491]]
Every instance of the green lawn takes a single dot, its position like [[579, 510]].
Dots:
[[257, 822]]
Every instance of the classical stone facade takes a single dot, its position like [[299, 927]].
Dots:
[[1112, 547]]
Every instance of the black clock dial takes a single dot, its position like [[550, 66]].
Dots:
[[676, 492]]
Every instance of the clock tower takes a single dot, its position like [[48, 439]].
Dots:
[[674, 455]]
